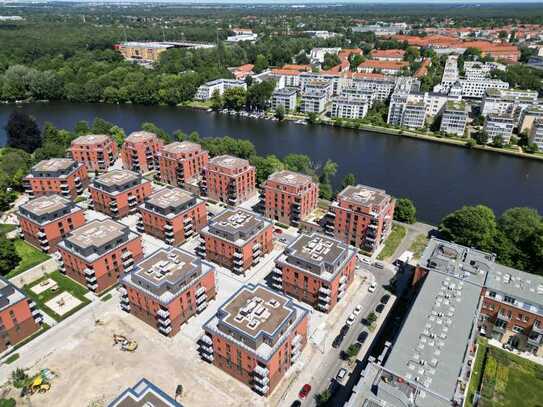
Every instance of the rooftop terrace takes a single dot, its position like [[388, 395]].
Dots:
[[364, 196]]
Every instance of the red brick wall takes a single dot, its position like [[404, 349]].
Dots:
[[18, 328]]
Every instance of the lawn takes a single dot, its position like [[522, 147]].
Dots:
[[64, 284], [505, 379], [6, 228], [418, 246], [393, 241], [30, 257]]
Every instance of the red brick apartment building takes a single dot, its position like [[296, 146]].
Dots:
[[98, 253], [56, 176], [172, 215], [19, 316], [46, 220], [97, 151], [256, 336], [181, 162], [289, 197], [167, 288], [315, 269], [140, 150], [228, 179], [361, 216], [118, 193], [236, 239]]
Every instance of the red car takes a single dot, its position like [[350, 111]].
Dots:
[[278, 231], [305, 391]]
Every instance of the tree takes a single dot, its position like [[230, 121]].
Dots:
[[405, 211], [265, 166], [520, 224], [472, 226], [280, 113], [299, 163], [302, 58], [261, 63], [234, 98], [312, 118], [411, 54], [259, 94], [497, 141], [325, 191], [19, 378], [371, 317], [355, 60], [216, 100], [349, 179], [324, 397], [9, 259], [328, 170], [8, 402], [153, 128], [481, 137], [330, 60], [23, 132]]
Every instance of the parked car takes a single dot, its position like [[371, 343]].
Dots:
[[306, 388], [296, 403], [379, 308], [344, 329], [378, 265], [362, 337], [372, 287], [351, 319], [337, 341], [357, 310], [385, 298], [341, 375]]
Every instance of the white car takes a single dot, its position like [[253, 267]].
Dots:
[[351, 319], [372, 287], [357, 310], [341, 375], [364, 260]]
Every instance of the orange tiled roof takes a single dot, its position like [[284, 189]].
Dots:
[[387, 53], [294, 67], [376, 64], [423, 69]]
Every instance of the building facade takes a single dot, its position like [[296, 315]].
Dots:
[[349, 107], [314, 102], [61, 176], [361, 216], [536, 134], [256, 336], [19, 315], [285, 97], [454, 119], [167, 288], [289, 197], [118, 193], [46, 220], [229, 179], [316, 269], [236, 239], [499, 126], [206, 91], [97, 151], [140, 150], [172, 215], [182, 162], [98, 253]]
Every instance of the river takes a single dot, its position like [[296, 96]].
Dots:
[[439, 178]]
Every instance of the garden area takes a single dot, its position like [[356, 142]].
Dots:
[[393, 241], [30, 257], [57, 295], [504, 379]]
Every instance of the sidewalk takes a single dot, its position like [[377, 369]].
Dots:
[[34, 273]]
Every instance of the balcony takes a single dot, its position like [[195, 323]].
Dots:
[[165, 322], [92, 287], [238, 255], [343, 279], [162, 313], [277, 278], [278, 271], [200, 291], [232, 201], [125, 300], [165, 329], [201, 299], [261, 389], [126, 255], [324, 307], [537, 329], [499, 328], [262, 381], [129, 261], [207, 357], [64, 187], [91, 279], [324, 290], [168, 234], [329, 227], [201, 307], [169, 241], [255, 261], [331, 214], [187, 227], [206, 339], [167, 226], [257, 253], [277, 285], [324, 299], [535, 340], [261, 371], [297, 339], [238, 262], [372, 226]]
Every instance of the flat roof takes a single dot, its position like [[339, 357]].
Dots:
[[523, 286], [97, 233], [236, 224], [140, 136], [290, 178], [169, 198], [181, 147], [53, 165], [285, 92], [46, 204], [228, 161], [91, 139], [318, 249], [115, 178], [256, 310], [364, 195], [144, 394]]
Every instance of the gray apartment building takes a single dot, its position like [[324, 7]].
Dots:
[[454, 118]]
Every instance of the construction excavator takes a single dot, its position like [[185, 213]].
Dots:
[[125, 344]]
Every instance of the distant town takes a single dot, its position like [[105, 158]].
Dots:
[[152, 269]]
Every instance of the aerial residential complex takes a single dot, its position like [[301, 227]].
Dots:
[[139, 152], [289, 197], [19, 316], [236, 239], [256, 337], [61, 176], [172, 215], [119, 192], [46, 220], [167, 288], [229, 179], [143, 394], [361, 216], [97, 151], [315, 269], [98, 253], [182, 162]]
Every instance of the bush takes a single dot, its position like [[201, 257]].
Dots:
[[405, 211], [19, 378], [7, 403]]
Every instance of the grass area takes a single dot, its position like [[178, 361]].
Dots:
[[418, 246], [505, 379], [11, 358], [393, 241], [30, 257], [106, 297], [80, 199], [6, 228], [64, 284], [198, 104]]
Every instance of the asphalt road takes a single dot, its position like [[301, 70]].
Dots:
[[332, 363]]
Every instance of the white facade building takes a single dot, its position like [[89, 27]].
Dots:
[[536, 134], [499, 126], [503, 101], [285, 97], [314, 102], [454, 118], [317, 54], [349, 107], [206, 91]]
